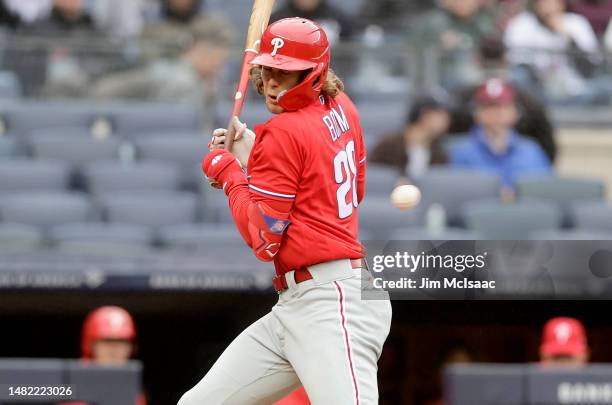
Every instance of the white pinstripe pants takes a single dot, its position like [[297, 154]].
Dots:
[[320, 334]]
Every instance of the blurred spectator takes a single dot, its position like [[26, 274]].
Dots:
[[189, 77], [608, 37], [337, 26], [598, 12], [392, 15], [505, 10], [28, 11], [564, 342], [454, 24], [415, 148], [108, 338], [8, 17], [454, 28], [174, 31], [493, 144], [533, 122], [68, 17], [560, 45], [119, 18]]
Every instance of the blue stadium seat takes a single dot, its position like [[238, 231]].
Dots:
[[102, 177], [35, 175], [150, 209], [591, 215], [45, 209], [498, 221], [452, 188]]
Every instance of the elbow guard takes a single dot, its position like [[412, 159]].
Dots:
[[266, 228]]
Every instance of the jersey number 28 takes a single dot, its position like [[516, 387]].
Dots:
[[345, 172]]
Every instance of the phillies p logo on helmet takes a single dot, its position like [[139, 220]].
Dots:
[[277, 43]]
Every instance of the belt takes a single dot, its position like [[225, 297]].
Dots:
[[302, 274]]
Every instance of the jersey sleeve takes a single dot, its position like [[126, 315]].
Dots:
[[275, 165]]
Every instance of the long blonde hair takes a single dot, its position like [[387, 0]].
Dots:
[[332, 87]]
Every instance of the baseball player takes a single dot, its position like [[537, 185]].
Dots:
[[564, 342], [296, 204], [108, 338]]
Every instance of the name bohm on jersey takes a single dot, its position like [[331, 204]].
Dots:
[[336, 122]]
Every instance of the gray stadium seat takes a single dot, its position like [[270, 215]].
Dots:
[[421, 233], [380, 180], [102, 177], [60, 131], [19, 237], [571, 234], [46, 209], [561, 190], [184, 149], [213, 205], [132, 119], [252, 114], [96, 237], [380, 219], [202, 236], [32, 371], [499, 221], [36, 175], [75, 150], [10, 147], [150, 209], [179, 148], [24, 117], [380, 118], [452, 188], [105, 384], [591, 215]]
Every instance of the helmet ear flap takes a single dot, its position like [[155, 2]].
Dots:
[[303, 93]]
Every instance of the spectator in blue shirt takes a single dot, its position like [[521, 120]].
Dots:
[[494, 145]]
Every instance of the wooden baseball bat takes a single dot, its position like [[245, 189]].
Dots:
[[260, 16]]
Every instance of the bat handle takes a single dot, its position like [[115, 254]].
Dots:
[[243, 86]]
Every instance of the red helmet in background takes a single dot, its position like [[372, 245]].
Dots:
[[108, 322], [296, 44]]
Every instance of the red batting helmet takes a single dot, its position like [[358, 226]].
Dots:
[[296, 44], [107, 322], [564, 336]]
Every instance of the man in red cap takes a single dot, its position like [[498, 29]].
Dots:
[[564, 342], [494, 145]]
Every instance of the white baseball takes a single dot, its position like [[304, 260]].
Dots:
[[405, 197]]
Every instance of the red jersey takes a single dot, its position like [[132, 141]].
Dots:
[[315, 158]]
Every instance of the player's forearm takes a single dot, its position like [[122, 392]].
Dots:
[[239, 200]]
